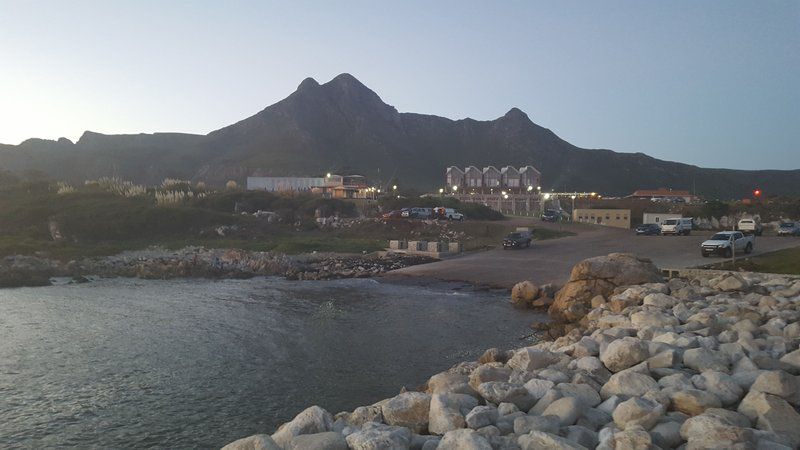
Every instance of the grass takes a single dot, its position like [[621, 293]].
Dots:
[[785, 261]]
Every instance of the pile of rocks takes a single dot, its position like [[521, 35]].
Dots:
[[708, 362], [334, 267], [525, 294]]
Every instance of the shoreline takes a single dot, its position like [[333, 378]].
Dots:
[[636, 361], [199, 262]]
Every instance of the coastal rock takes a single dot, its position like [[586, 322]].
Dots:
[[524, 293], [529, 359], [255, 442], [448, 412], [409, 409], [464, 439], [380, 437], [567, 409], [599, 276], [482, 416], [637, 411], [330, 440], [500, 392], [526, 424], [623, 353], [628, 384], [312, 420], [694, 401], [539, 440]]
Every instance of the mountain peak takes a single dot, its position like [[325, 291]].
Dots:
[[516, 114], [308, 83], [345, 79]]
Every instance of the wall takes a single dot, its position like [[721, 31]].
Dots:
[[618, 218]]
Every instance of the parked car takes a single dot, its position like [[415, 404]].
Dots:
[[789, 229], [550, 215], [648, 229], [517, 239], [417, 213], [447, 213], [725, 242], [750, 226], [682, 226]]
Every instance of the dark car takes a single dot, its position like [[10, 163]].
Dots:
[[518, 239], [789, 229], [550, 215], [648, 229]]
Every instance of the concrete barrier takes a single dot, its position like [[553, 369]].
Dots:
[[454, 247], [434, 247]]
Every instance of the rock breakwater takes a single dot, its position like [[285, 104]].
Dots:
[[705, 362]]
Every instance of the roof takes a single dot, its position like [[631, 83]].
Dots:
[[661, 192]]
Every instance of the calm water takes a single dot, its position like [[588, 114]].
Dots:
[[196, 364]]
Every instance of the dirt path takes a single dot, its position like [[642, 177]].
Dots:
[[551, 260]]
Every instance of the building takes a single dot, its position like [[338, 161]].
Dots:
[[330, 186], [510, 177], [473, 178], [618, 218], [529, 176], [659, 218], [665, 194], [455, 176], [491, 177]]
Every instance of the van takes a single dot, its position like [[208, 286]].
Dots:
[[678, 227]]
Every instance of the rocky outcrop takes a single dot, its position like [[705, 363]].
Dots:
[[719, 369], [600, 276]]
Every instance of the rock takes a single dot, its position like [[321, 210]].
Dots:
[[720, 384], [312, 420], [380, 437], [526, 424], [693, 401], [623, 353], [364, 414], [644, 319], [582, 392], [409, 409], [568, 409], [792, 359], [505, 409], [638, 411], [628, 384], [255, 442], [494, 355], [581, 436], [529, 359], [659, 300], [524, 293], [548, 398], [701, 359], [733, 282], [498, 392], [488, 372], [664, 359], [713, 431], [482, 416], [538, 440], [599, 276], [634, 438], [667, 434], [464, 439], [780, 383], [448, 412], [450, 383], [329, 440], [537, 388], [772, 413]]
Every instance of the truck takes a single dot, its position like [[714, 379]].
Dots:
[[518, 239], [678, 227], [726, 242], [750, 225]]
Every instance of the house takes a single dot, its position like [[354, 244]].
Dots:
[[473, 177], [491, 177], [510, 177], [659, 218], [529, 176], [617, 218], [665, 194], [331, 185], [455, 177]]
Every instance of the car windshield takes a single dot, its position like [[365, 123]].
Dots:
[[787, 225], [745, 221], [514, 236], [670, 222], [720, 237]]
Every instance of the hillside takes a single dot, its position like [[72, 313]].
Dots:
[[343, 126]]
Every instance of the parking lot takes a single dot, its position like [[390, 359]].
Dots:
[[551, 260]]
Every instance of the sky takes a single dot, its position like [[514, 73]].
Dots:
[[712, 83]]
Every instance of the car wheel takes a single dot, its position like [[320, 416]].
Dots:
[[728, 252], [705, 255], [749, 248]]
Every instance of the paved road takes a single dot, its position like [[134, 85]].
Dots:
[[551, 260]]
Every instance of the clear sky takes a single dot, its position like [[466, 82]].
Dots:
[[714, 83]]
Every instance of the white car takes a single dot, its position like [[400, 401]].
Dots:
[[452, 214], [726, 242], [682, 226], [750, 226]]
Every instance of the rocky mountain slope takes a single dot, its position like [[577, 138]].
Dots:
[[343, 126]]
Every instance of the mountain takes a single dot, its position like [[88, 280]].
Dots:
[[344, 127]]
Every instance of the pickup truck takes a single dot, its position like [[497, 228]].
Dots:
[[725, 242]]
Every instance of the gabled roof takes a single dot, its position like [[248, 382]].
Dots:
[[454, 168], [529, 169], [509, 169], [488, 168]]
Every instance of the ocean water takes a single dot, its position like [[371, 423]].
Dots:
[[126, 363]]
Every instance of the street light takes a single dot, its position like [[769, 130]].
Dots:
[[441, 191], [573, 203], [530, 188], [504, 193], [394, 187], [328, 175], [539, 188], [455, 188], [547, 196]]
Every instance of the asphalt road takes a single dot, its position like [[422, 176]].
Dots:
[[551, 260]]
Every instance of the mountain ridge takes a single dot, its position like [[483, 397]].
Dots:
[[344, 126]]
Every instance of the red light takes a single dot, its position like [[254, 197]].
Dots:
[[757, 192]]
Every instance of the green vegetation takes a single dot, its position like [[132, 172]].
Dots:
[[782, 261], [102, 218]]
